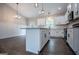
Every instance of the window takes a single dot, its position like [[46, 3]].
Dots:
[[41, 21], [50, 22]]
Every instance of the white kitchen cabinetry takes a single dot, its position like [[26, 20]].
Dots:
[[73, 39], [73, 33], [76, 10], [76, 40], [70, 37], [73, 7], [44, 33], [60, 20], [69, 9], [36, 38], [57, 33]]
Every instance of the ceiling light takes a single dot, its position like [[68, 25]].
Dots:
[[17, 16], [42, 11], [59, 8], [69, 6]]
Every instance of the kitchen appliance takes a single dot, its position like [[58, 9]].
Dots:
[[71, 16]]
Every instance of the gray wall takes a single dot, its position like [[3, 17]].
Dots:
[[9, 25]]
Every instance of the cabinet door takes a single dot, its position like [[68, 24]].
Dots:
[[70, 37], [76, 10], [76, 39], [69, 8], [44, 37]]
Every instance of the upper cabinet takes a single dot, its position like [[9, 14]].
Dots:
[[76, 10], [72, 7], [60, 20], [72, 12], [69, 9]]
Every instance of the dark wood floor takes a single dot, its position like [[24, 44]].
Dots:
[[16, 46]]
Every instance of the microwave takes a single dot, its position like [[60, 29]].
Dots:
[[71, 16]]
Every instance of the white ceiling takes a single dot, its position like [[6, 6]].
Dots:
[[29, 10]]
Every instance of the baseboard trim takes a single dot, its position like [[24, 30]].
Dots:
[[56, 37], [12, 37], [70, 48], [44, 46]]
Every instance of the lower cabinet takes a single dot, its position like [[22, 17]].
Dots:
[[70, 37], [44, 36], [73, 39], [76, 40], [36, 38]]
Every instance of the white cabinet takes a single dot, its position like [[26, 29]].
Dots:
[[72, 7], [36, 38], [69, 9], [76, 10], [73, 33], [66, 17], [57, 33], [76, 40], [60, 20], [70, 37], [44, 33], [73, 39]]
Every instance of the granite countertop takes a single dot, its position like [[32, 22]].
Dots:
[[34, 28]]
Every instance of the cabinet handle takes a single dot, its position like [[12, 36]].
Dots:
[[68, 35], [45, 35]]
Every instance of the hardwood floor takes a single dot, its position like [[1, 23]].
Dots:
[[16, 46]]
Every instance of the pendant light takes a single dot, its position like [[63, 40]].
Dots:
[[42, 11], [36, 5], [17, 12]]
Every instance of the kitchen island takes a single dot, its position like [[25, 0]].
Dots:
[[36, 38]]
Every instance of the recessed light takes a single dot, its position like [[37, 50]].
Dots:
[[59, 8]]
